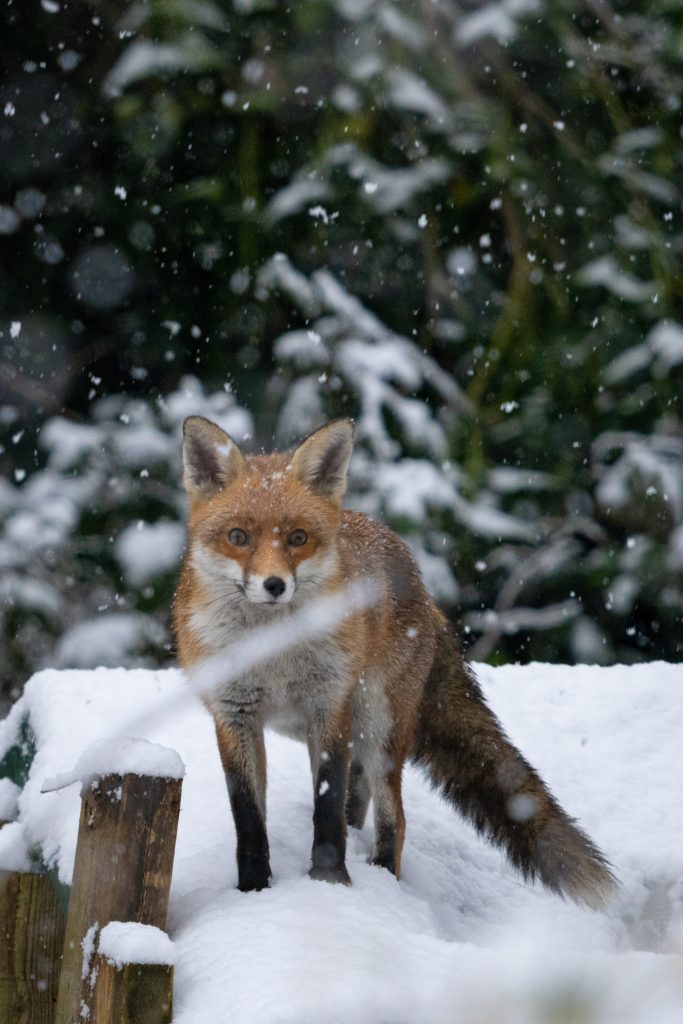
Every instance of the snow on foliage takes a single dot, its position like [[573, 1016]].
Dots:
[[110, 639], [661, 351], [90, 544], [9, 797], [403, 405], [143, 59], [605, 271], [391, 189], [479, 207], [146, 550], [498, 20], [15, 854]]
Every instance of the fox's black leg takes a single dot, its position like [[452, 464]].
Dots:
[[329, 822], [244, 762], [253, 863], [357, 796], [329, 825]]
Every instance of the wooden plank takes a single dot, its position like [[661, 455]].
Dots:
[[124, 860], [31, 942], [132, 994]]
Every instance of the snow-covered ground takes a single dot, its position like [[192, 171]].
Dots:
[[460, 937]]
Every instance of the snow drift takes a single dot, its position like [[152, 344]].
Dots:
[[460, 936]]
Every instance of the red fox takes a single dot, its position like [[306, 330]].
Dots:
[[266, 534]]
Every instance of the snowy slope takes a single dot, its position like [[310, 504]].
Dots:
[[460, 937]]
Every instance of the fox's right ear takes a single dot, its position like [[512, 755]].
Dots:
[[211, 459], [321, 461]]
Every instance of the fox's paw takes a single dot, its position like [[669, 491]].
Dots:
[[381, 861], [254, 877], [325, 874]]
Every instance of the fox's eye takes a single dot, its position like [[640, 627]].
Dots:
[[238, 537], [297, 538]]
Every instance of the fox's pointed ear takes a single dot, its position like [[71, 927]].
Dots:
[[322, 460], [211, 459]]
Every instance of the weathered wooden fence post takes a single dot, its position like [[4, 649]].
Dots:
[[133, 972], [132, 993], [31, 942], [122, 872]]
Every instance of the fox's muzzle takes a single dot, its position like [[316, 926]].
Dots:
[[269, 589]]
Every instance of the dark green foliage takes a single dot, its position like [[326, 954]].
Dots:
[[16, 762], [499, 185]]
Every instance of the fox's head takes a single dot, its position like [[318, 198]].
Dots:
[[262, 528]]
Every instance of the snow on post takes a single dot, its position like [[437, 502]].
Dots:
[[125, 942], [133, 975], [119, 756], [130, 799]]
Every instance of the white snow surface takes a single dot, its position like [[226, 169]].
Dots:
[[460, 937], [126, 942]]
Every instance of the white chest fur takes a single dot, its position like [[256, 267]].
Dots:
[[286, 690]]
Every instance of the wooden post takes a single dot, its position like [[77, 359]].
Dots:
[[124, 860], [31, 942], [132, 993]]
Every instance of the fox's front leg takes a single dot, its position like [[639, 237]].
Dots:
[[358, 795], [243, 756], [329, 749]]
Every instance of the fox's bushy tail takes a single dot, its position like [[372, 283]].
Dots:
[[468, 757]]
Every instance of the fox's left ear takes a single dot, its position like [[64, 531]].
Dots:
[[211, 459], [322, 460]]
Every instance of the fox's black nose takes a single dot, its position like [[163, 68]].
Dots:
[[275, 586]]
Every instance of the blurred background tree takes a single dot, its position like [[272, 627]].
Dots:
[[458, 222]]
